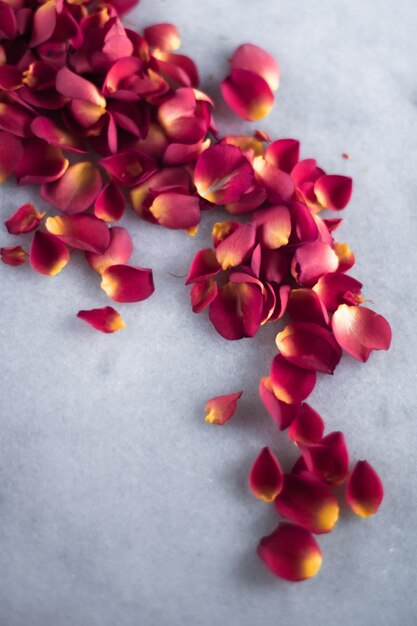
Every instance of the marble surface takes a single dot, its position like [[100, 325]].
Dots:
[[118, 504]]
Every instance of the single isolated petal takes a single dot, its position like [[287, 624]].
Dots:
[[274, 226], [236, 311], [283, 154], [308, 501], [107, 319], [48, 254], [333, 191], [307, 427], [222, 174], [290, 383], [221, 409], [338, 288], [309, 346], [110, 204], [266, 478], [76, 190], [255, 59], [291, 552], [84, 232], [25, 220], [359, 330], [312, 261], [364, 490], [123, 283], [236, 248], [13, 255], [282, 413], [40, 163], [118, 252], [11, 151], [163, 36], [329, 459], [247, 94], [176, 210], [202, 295], [204, 265]]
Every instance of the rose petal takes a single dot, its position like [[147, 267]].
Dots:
[[290, 383], [176, 210], [184, 118], [282, 413], [222, 230], [309, 346], [109, 204], [337, 288], [123, 283], [202, 295], [221, 409], [364, 490], [291, 552], [76, 190], [236, 312], [329, 459], [106, 320], [304, 226], [333, 191], [306, 171], [313, 261], [25, 220], [274, 226], [247, 94], [13, 255], [266, 478], [305, 305], [44, 128], [84, 232], [345, 256], [180, 154], [255, 59], [307, 427], [11, 151], [44, 22], [40, 163], [359, 330], [279, 185], [118, 252], [283, 154], [48, 254], [163, 36], [203, 266], [76, 87], [129, 168], [237, 247]]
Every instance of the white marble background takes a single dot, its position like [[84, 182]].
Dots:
[[118, 504]]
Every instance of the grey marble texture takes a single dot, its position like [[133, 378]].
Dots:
[[119, 506]]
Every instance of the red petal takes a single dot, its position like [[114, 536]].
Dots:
[[162, 36], [309, 346], [255, 59], [220, 409], [274, 226], [309, 502], [11, 151], [329, 460], [129, 168], [334, 289], [176, 210], [203, 266], [44, 128], [333, 191], [266, 477], [345, 256], [85, 232], [247, 94], [107, 319], [44, 22], [307, 427], [364, 490], [118, 252], [291, 552], [282, 413], [313, 261], [237, 247], [10, 78], [290, 383], [236, 312], [76, 87], [283, 154], [202, 295], [13, 255], [48, 254], [305, 305], [24, 220], [40, 163], [123, 283], [279, 185], [76, 190], [359, 330], [110, 204]]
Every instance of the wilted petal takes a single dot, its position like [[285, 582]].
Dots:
[[308, 501], [305, 305], [40, 163], [312, 261], [202, 295], [110, 204], [337, 288], [333, 191], [345, 256], [282, 413], [255, 59], [44, 128], [24, 220], [220, 409], [203, 266], [291, 552], [237, 247], [176, 210], [275, 265], [283, 154], [183, 118], [118, 252], [123, 6], [279, 185], [163, 36], [48, 254], [364, 490], [84, 232], [129, 168], [11, 151], [309, 346], [76, 87], [358, 330], [247, 94], [222, 174], [13, 255], [236, 312], [123, 283], [274, 226], [266, 477], [307, 427], [76, 190], [329, 459], [290, 383], [107, 319]]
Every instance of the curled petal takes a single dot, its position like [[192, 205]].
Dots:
[[291, 552], [222, 174], [184, 119], [123, 283], [44, 128], [254, 59], [129, 168], [203, 266], [107, 319], [247, 94], [13, 255], [11, 151], [345, 256], [337, 288], [163, 36], [329, 459], [290, 383], [220, 409], [84, 232], [76, 87], [109, 204], [48, 254], [274, 226], [118, 252], [306, 171], [40, 163], [282, 413], [123, 6], [307, 427], [178, 68], [176, 210], [309, 346], [305, 305], [266, 478], [202, 295], [236, 311], [308, 501], [283, 154], [237, 247], [333, 191], [24, 220], [313, 261], [358, 330], [76, 190], [278, 185], [364, 490]]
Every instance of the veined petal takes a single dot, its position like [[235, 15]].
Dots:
[[76, 87], [76, 190], [221, 409], [358, 330], [176, 210], [274, 226], [13, 255], [237, 247], [291, 552], [84, 232], [312, 261], [282, 413], [10, 78], [364, 490], [329, 459], [202, 295], [40, 163], [333, 191], [255, 59], [24, 220], [236, 311], [203, 266], [106, 320], [337, 288], [309, 346], [308, 501], [48, 254], [167, 179], [163, 36], [283, 154], [290, 383], [307, 427], [109, 204], [305, 305], [11, 151], [123, 283], [247, 94], [266, 478], [118, 252]]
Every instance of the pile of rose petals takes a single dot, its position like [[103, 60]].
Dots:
[[100, 117]]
